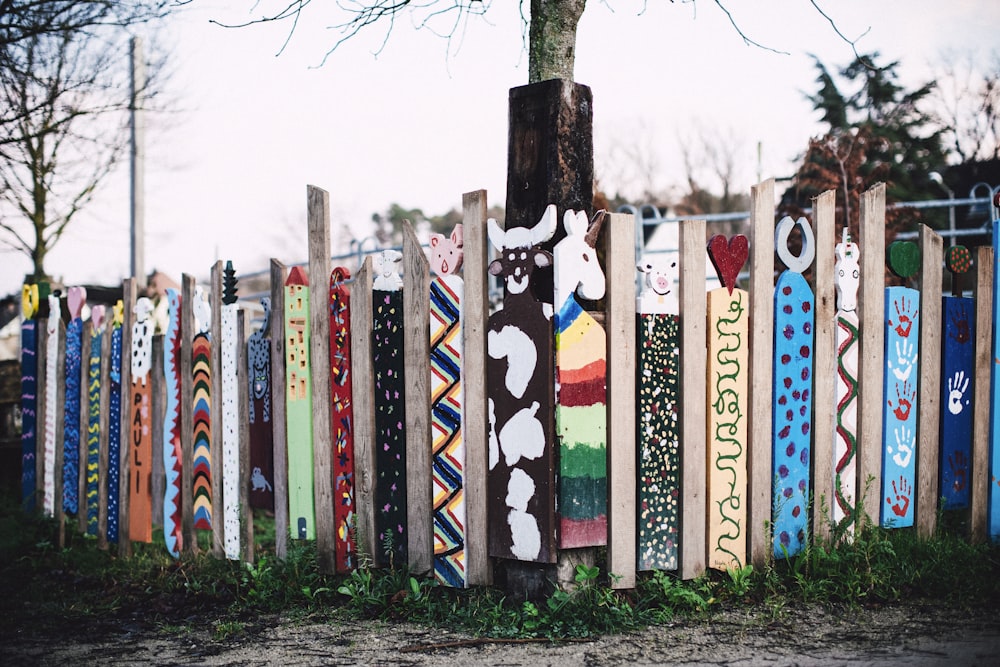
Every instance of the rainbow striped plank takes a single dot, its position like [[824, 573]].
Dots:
[[792, 412], [51, 385], [201, 362], [71, 412], [581, 426], [298, 411], [899, 416], [94, 421], [115, 422], [29, 395], [172, 426], [342, 419], [448, 445], [958, 389]]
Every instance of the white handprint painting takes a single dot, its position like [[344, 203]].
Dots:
[[905, 441], [906, 359], [958, 385]]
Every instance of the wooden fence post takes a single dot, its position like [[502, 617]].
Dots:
[[125, 476], [187, 331], [83, 426], [694, 396], [929, 389], [416, 352], [870, 398], [157, 377], [825, 369], [621, 399], [278, 416], [476, 310], [215, 301], [985, 364], [364, 410], [759, 473]]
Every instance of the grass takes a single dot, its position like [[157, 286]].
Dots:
[[41, 585]]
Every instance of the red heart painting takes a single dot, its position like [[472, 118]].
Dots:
[[728, 257]]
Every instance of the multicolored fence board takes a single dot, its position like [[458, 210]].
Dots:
[[29, 395], [792, 393], [302, 524], [520, 383], [342, 419], [727, 406], [172, 425], [581, 391], [390, 402], [899, 426], [114, 422], [201, 361], [447, 422], [261, 433], [94, 418], [659, 428], [847, 277], [140, 518], [76, 299]]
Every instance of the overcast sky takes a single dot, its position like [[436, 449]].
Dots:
[[426, 119]]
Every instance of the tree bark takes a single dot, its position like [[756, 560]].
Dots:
[[552, 39]]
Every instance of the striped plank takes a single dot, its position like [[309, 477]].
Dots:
[[201, 415], [342, 420], [29, 395], [302, 523], [172, 453], [447, 424], [114, 422]]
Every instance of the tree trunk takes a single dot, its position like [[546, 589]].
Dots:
[[552, 39]]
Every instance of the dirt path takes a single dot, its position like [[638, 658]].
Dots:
[[912, 635]]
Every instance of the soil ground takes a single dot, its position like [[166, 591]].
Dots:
[[912, 634]]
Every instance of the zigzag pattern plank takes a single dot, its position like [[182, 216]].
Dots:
[[201, 355], [448, 446], [29, 406], [93, 430], [51, 386], [172, 426]]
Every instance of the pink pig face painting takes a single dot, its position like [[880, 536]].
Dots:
[[446, 253]]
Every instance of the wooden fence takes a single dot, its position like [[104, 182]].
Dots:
[[392, 417]]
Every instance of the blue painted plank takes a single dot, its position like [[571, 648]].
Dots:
[[957, 391]]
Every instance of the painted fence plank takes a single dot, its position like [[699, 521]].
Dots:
[[727, 407], [29, 395], [845, 466], [390, 492], [342, 420], [794, 320], [694, 398], [201, 412], [298, 393], [278, 275], [447, 409], [580, 386], [520, 384], [51, 405], [84, 428], [231, 481], [957, 396], [115, 417], [246, 514], [475, 302], [105, 426], [93, 477], [659, 417], [261, 466], [140, 524], [929, 387], [215, 395], [76, 299], [620, 323], [172, 453]]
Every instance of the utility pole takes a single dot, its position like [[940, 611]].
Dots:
[[137, 154]]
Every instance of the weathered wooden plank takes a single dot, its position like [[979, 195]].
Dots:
[[621, 399], [760, 349], [993, 507], [694, 398], [187, 332], [416, 351], [60, 415], [581, 387], [105, 417], [140, 518], [987, 364], [364, 410], [159, 399], [929, 388], [825, 361], [127, 319], [278, 275], [794, 373], [29, 396], [243, 380], [298, 406], [215, 302], [872, 355], [173, 453], [476, 310], [318, 201], [447, 409], [342, 420]]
